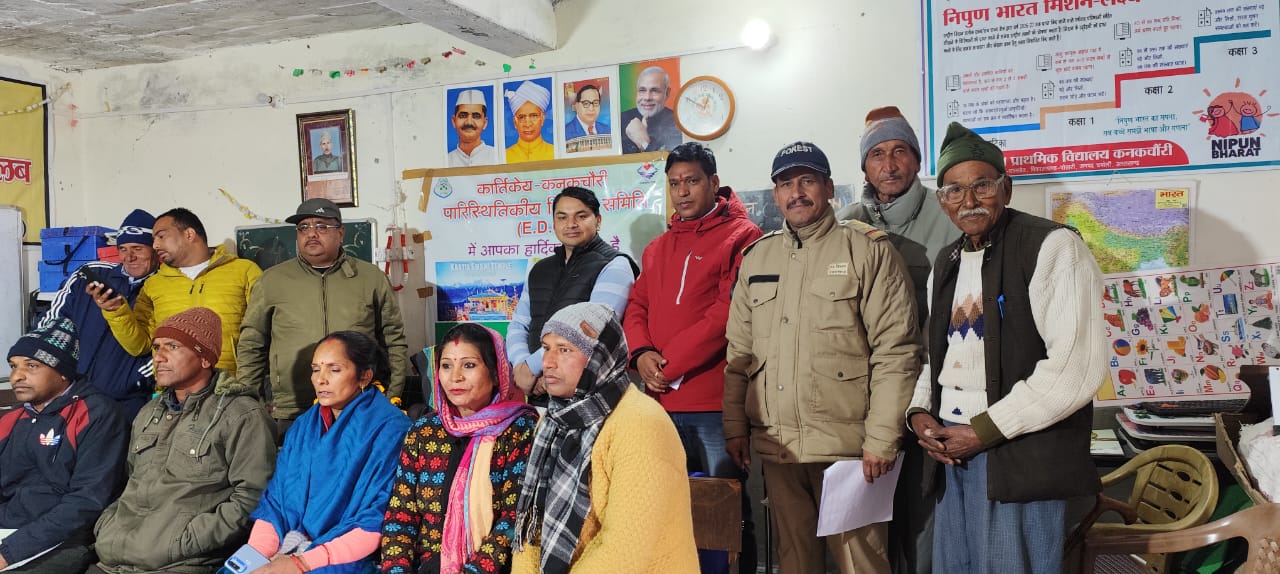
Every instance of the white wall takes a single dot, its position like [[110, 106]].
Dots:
[[162, 135]]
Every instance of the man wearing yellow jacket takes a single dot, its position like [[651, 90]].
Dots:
[[190, 275]]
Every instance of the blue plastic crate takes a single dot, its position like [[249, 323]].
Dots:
[[51, 276], [59, 244]]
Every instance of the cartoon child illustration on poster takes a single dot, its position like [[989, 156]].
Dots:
[[1251, 117], [1219, 124]]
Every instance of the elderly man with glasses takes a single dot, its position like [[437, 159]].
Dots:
[[298, 302], [1006, 406]]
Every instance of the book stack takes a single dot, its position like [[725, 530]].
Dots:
[[1141, 429]]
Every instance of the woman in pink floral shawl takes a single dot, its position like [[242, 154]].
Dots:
[[452, 506]]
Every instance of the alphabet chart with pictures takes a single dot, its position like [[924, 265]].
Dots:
[[1185, 334]]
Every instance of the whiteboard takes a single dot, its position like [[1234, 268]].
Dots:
[[13, 294]]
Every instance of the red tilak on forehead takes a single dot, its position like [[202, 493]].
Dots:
[[457, 342]]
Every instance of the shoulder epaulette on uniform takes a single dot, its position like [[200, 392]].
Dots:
[[751, 245], [875, 233]]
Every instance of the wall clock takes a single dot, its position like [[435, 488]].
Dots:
[[704, 108]]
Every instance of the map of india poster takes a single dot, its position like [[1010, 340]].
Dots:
[[1129, 230]]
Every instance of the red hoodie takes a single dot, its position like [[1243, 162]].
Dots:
[[679, 305]]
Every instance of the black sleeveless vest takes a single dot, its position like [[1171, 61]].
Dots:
[[555, 284], [1052, 463]]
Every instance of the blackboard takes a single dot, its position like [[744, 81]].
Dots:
[[270, 244]]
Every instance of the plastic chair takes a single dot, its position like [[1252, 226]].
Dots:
[[717, 515], [1259, 525], [1175, 487]]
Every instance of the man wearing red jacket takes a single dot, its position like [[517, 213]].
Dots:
[[679, 306]]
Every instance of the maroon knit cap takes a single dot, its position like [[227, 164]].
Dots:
[[198, 328]]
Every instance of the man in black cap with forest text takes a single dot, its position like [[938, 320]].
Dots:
[[823, 352], [1007, 404], [298, 302]]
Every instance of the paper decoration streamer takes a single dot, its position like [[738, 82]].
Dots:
[[30, 108], [244, 210]]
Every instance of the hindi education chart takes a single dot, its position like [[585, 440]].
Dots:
[[1091, 87], [1185, 334], [487, 230], [1130, 229]]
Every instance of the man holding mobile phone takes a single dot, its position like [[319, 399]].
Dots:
[[112, 369]]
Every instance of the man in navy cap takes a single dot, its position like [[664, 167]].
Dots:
[[823, 355], [115, 372]]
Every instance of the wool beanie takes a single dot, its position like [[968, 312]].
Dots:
[[55, 345], [136, 228], [198, 328], [887, 124], [568, 322], [962, 145]]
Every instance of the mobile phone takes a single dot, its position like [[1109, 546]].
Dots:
[[91, 275], [246, 559]]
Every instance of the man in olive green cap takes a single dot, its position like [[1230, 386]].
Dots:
[[1007, 406]]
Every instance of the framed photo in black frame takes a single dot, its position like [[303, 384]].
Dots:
[[327, 156]]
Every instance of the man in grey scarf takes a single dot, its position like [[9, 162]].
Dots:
[[895, 200]]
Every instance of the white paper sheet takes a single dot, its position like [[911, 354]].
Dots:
[[849, 502], [5, 532]]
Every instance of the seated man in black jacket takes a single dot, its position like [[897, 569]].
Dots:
[[61, 456]]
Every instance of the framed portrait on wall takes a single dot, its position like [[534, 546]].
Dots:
[[327, 156], [647, 91], [472, 136], [589, 112], [529, 119]]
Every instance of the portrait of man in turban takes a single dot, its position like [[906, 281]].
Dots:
[[528, 105]]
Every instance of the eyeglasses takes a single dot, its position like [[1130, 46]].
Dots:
[[982, 189], [321, 228], [590, 104]]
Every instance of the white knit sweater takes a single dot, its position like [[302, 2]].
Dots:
[[1065, 294], [964, 380]]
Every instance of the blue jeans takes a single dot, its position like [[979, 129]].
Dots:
[[972, 533], [702, 435]]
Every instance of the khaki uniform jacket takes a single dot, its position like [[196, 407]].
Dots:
[[824, 348], [294, 305]]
